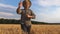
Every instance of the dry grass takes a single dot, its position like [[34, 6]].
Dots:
[[45, 29], [36, 29], [10, 29]]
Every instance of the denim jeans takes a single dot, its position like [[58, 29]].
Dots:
[[26, 28]]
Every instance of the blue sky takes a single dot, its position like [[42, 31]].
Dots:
[[45, 10]]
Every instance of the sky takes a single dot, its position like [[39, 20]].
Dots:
[[45, 10]]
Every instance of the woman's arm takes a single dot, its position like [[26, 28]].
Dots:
[[19, 8], [31, 16]]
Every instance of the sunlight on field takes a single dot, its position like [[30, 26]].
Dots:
[[46, 29], [35, 29], [10, 29]]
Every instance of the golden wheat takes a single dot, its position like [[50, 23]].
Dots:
[[35, 29]]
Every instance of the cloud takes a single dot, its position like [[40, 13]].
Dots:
[[48, 11], [8, 11], [7, 6], [48, 2], [4, 8], [6, 14], [49, 15]]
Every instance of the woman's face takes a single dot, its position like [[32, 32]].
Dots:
[[27, 5]]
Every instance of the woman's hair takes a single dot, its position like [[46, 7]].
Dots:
[[24, 3]]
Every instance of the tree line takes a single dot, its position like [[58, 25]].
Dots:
[[13, 21]]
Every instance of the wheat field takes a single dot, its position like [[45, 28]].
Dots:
[[35, 29]]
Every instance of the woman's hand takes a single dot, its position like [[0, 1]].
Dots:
[[29, 16], [20, 5]]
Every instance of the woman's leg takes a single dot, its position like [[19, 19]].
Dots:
[[24, 28], [28, 29], [28, 26]]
